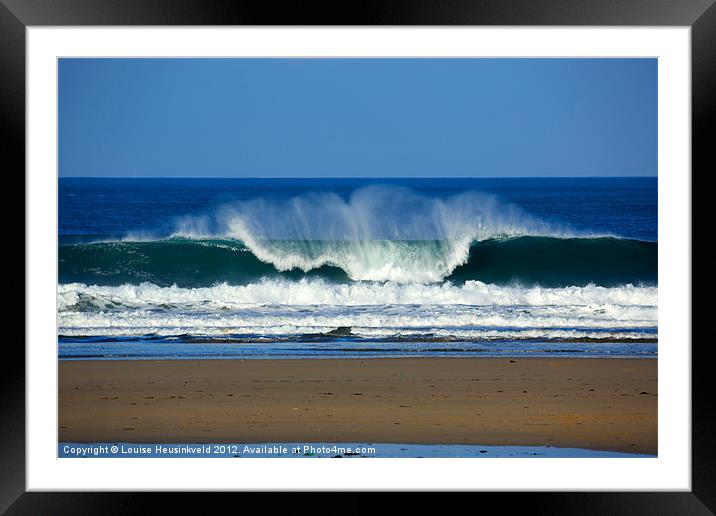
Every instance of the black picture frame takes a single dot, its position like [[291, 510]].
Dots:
[[700, 15]]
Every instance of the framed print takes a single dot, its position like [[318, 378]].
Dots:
[[450, 248]]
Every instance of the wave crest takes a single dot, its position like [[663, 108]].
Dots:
[[549, 262], [372, 235]]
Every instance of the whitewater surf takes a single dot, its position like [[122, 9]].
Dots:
[[415, 267]]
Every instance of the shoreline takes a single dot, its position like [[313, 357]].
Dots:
[[364, 356], [591, 403]]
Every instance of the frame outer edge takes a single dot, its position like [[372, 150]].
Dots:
[[12, 101], [12, 391], [365, 12], [703, 99]]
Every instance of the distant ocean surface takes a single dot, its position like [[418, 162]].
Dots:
[[271, 268]]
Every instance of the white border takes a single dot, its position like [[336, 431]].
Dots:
[[671, 470]]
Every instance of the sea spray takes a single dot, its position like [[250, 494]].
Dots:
[[382, 233]]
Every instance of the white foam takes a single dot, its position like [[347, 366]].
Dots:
[[275, 307], [319, 292], [159, 327], [279, 321]]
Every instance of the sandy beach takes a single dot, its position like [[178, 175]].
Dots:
[[601, 404]]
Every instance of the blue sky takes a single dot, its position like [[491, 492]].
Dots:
[[357, 117]]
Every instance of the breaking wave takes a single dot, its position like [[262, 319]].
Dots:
[[377, 234], [546, 261]]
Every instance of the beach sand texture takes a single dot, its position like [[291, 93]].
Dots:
[[601, 404]]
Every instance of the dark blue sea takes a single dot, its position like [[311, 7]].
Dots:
[[267, 268]]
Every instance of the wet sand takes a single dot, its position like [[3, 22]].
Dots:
[[601, 404]]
